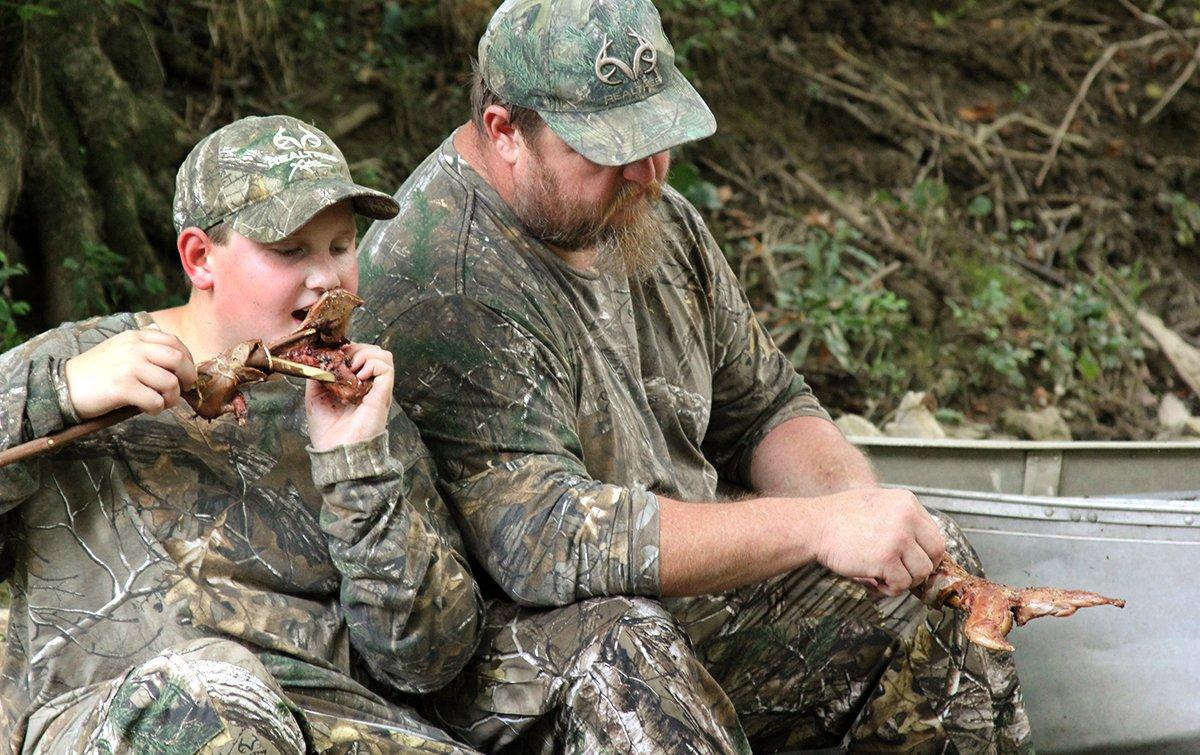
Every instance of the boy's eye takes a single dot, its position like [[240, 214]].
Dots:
[[288, 251]]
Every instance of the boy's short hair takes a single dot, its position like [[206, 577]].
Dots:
[[265, 177]]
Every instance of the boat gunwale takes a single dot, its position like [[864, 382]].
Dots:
[[993, 444]]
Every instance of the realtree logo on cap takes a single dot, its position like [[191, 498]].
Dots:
[[606, 67], [304, 153]]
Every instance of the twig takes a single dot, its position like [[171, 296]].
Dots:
[[895, 244], [1176, 85], [1092, 73], [354, 119]]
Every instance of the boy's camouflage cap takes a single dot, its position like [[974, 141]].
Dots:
[[601, 73], [267, 177]]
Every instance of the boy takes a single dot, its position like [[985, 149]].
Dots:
[[184, 586]]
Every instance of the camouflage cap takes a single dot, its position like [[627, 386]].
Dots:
[[601, 73], [267, 177]]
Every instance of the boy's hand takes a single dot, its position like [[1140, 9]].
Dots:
[[332, 423], [142, 368]]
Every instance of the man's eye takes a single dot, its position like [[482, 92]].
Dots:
[[289, 251]]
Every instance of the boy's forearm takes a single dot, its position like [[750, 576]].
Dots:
[[413, 609]]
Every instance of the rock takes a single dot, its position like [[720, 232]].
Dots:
[[914, 419], [853, 424], [1172, 414], [1043, 424], [970, 431]]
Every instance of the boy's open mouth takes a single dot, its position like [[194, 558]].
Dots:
[[299, 314]]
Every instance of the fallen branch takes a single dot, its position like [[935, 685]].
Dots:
[[803, 180], [1182, 355], [1088, 80], [1176, 85]]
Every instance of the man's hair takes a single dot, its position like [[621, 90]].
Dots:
[[527, 121]]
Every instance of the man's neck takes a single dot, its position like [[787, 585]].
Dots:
[[477, 153]]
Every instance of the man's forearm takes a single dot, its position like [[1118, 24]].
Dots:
[[710, 547], [808, 456]]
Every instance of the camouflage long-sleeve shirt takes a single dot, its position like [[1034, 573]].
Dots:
[[556, 401], [164, 529]]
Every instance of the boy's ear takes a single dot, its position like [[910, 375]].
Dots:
[[195, 254]]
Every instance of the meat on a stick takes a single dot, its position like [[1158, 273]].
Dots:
[[992, 608], [313, 351]]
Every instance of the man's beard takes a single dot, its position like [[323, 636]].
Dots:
[[630, 235]]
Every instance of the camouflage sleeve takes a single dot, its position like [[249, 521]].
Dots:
[[413, 609], [755, 388], [33, 403], [496, 406]]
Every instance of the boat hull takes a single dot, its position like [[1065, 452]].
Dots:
[[1105, 678]]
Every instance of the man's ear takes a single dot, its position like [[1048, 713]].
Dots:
[[503, 136], [195, 254]]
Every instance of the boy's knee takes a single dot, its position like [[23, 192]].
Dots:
[[209, 696]]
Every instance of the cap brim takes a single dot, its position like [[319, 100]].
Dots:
[[620, 135], [280, 215]]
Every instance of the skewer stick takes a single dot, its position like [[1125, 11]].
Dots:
[[37, 446], [58, 440]]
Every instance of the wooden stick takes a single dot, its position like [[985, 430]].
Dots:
[[53, 442], [60, 439]]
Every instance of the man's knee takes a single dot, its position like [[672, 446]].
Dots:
[[957, 545]]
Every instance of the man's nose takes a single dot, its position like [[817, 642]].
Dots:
[[648, 170]]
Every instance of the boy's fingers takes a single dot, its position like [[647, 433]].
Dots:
[[147, 399]]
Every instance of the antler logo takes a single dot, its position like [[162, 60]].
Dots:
[[645, 60]]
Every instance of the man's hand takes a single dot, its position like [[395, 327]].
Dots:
[[876, 534], [332, 423], [142, 368]]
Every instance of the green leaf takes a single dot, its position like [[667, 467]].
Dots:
[[1089, 368], [981, 206]]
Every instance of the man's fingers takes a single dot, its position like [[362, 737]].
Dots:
[[918, 564], [929, 537], [147, 399], [895, 578], [172, 355]]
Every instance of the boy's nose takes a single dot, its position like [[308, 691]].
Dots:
[[322, 277]]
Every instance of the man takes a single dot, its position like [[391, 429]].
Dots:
[[184, 586], [590, 379]]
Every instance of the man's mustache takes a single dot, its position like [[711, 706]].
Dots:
[[630, 193]]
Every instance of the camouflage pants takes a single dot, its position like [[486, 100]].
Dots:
[[810, 659], [602, 675], [215, 697], [807, 660]]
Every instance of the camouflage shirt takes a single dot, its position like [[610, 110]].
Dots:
[[161, 530], [556, 401]]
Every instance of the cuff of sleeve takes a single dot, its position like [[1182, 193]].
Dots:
[[353, 461], [43, 410], [644, 577], [66, 407]]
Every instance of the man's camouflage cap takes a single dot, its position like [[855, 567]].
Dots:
[[267, 177], [601, 73]]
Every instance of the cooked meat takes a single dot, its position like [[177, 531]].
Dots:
[[992, 608]]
